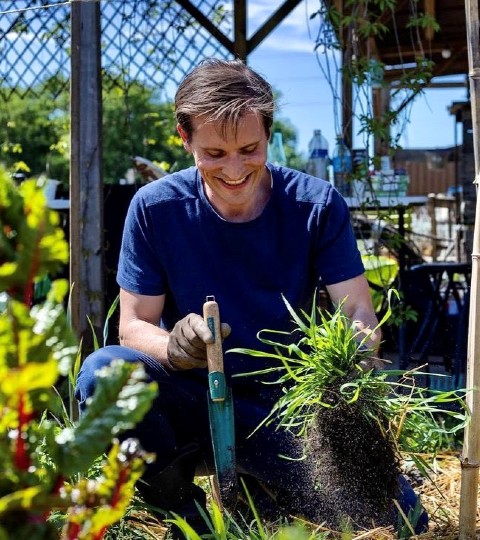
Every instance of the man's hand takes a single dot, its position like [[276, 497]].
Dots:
[[187, 343], [367, 364]]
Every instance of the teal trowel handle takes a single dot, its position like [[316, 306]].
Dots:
[[216, 378]]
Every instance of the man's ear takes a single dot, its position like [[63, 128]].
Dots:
[[183, 136]]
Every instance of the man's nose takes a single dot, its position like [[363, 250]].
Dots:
[[233, 167]]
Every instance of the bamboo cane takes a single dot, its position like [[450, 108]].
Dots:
[[471, 447]]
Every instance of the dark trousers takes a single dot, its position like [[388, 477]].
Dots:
[[178, 424]]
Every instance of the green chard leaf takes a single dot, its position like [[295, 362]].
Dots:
[[121, 399]]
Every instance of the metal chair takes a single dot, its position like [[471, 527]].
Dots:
[[440, 293]]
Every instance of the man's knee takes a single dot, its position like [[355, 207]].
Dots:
[[85, 383]]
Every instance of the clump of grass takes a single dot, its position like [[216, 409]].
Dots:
[[356, 424], [319, 366]]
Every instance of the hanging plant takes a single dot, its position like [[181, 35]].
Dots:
[[345, 45]]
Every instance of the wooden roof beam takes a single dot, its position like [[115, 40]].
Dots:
[[429, 6], [386, 54], [271, 23], [240, 43], [207, 24], [241, 46]]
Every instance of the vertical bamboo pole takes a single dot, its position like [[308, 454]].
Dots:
[[471, 448]]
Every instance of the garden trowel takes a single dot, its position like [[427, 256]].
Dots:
[[220, 409]]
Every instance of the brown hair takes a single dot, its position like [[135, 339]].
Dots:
[[223, 91]]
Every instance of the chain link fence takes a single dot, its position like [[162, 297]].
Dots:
[[153, 42]]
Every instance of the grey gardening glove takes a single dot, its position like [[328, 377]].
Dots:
[[187, 343]]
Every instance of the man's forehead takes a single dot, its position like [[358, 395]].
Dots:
[[227, 129]]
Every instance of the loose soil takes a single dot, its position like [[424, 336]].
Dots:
[[356, 467]]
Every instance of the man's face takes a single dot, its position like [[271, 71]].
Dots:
[[232, 167]]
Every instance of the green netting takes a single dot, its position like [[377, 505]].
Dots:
[[154, 42]]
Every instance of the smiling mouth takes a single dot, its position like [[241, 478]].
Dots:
[[236, 182]]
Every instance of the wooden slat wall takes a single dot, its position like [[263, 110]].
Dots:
[[425, 180], [431, 171]]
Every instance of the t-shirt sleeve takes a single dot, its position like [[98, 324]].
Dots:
[[139, 268], [338, 257]]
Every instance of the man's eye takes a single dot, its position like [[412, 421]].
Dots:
[[215, 154], [249, 149]]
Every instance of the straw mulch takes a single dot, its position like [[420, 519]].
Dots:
[[440, 495]]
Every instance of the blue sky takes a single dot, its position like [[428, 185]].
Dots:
[[287, 60]]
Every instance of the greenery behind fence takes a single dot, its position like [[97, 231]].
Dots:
[[153, 42]]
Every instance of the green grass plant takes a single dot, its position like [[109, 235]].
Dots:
[[319, 366], [224, 526]]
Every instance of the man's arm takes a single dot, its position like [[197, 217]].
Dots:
[[357, 306], [182, 348], [139, 319]]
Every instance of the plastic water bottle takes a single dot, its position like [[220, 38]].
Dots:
[[276, 152], [342, 167], [318, 155]]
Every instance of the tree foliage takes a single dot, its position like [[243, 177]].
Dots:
[[136, 121], [35, 130]]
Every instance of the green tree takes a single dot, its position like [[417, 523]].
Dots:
[[295, 160], [136, 122], [35, 130]]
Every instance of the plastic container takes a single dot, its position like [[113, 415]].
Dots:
[[318, 155], [276, 151], [342, 167]]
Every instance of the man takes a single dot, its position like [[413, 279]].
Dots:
[[246, 232]]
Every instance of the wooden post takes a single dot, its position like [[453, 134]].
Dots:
[[86, 184], [432, 211], [240, 29], [381, 105]]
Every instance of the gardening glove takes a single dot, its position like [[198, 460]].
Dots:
[[187, 343]]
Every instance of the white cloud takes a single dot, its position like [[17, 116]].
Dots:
[[290, 43], [292, 34], [25, 36]]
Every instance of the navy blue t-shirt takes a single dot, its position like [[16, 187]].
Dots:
[[176, 244]]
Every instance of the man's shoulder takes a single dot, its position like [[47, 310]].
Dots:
[[306, 188], [176, 186]]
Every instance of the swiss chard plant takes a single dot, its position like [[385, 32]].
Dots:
[[45, 456]]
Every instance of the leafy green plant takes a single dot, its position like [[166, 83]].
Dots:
[[45, 462], [356, 424], [321, 367]]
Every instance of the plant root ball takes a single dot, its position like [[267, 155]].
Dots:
[[355, 467]]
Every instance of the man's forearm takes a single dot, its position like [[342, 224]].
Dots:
[[147, 338]]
